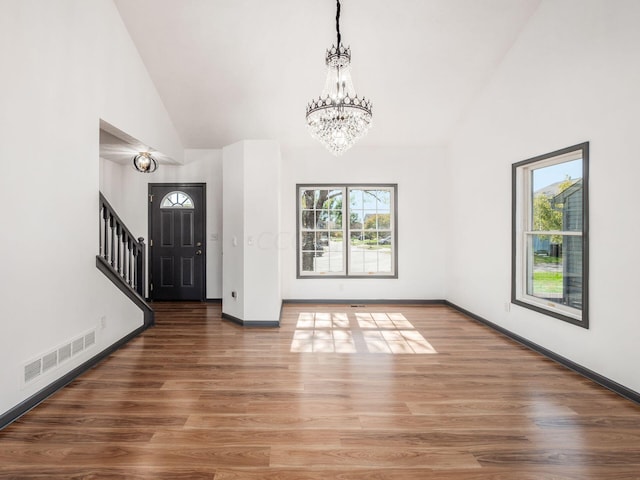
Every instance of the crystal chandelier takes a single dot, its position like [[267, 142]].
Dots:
[[338, 117]]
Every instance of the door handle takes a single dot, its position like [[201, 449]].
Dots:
[[198, 252]]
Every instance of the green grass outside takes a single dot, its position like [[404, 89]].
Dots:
[[547, 282]]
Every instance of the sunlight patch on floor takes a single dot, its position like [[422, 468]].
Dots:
[[390, 333]]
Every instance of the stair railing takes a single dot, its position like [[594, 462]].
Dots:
[[120, 250]]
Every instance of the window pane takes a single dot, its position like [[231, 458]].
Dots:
[[369, 260], [355, 199], [308, 264], [356, 219], [322, 217], [324, 260], [385, 239], [312, 258], [176, 200], [556, 188], [334, 200], [571, 200], [322, 240], [572, 271], [308, 240], [336, 261], [307, 199], [370, 231], [369, 199], [335, 219], [367, 255], [321, 199], [384, 220], [376, 221], [385, 264], [544, 268], [384, 201], [336, 242], [554, 269], [308, 219], [321, 214], [356, 252], [356, 256], [370, 220]]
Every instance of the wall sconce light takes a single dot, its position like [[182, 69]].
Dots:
[[145, 163]]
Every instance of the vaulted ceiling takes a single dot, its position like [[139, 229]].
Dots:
[[228, 70]]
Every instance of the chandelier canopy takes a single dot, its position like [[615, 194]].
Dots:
[[338, 118]]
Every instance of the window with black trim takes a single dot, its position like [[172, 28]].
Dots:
[[550, 234], [347, 230]]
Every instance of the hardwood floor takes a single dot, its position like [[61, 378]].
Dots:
[[378, 392]]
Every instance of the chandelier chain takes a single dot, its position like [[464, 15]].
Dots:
[[338, 25]]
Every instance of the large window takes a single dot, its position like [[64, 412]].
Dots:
[[346, 231], [550, 227]]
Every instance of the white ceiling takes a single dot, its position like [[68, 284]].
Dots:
[[245, 69]]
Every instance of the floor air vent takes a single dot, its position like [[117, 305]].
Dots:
[[53, 359], [64, 353], [49, 361], [32, 370], [77, 346], [89, 339]]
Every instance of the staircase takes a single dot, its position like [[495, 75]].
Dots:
[[122, 258]]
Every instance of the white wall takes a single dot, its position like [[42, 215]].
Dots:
[[233, 230], [572, 76], [422, 210], [66, 64], [263, 298], [127, 190], [251, 171]]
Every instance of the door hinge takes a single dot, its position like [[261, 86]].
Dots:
[[151, 242], [151, 287], [151, 197]]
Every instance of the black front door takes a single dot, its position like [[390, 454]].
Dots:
[[177, 241]]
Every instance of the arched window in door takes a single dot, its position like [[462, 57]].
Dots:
[[177, 199]]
